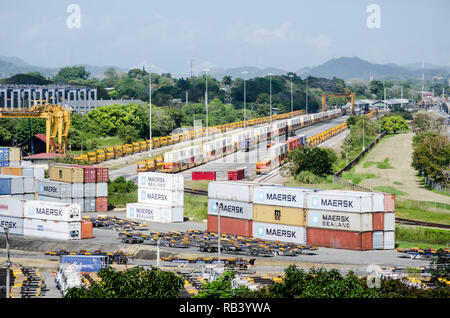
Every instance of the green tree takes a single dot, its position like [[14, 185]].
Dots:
[[394, 124], [319, 161], [65, 74], [221, 288], [128, 133]]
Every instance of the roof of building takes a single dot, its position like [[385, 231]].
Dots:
[[44, 155], [42, 138]]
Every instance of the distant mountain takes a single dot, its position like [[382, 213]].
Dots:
[[355, 67], [252, 72]]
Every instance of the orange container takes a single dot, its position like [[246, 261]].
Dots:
[[389, 202], [378, 221], [12, 171], [101, 204], [86, 229], [230, 225], [360, 241]]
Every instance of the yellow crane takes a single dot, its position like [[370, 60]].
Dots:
[[347, 94], [57, 122]]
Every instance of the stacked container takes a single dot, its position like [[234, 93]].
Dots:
[[9, 156], [160, 198], [41, 218], [350, 219], [279, 214]]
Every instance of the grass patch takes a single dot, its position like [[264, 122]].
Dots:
[[389, 189], [368, 164], [197, 184], [404, 244], [422, 235], [120, 200], [356, 178], [195, 206], [397, 183], [321, 186], [434, 212], [384, 164]]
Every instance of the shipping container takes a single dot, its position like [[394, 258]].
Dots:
[[101, 189], [4, 154], [345, 201], [389, 240], [377, 240], [378, 221], [89, 190], [90, 204], [79, 201], [12, 171], [55, 189], [234, 209], [278, 215], [389, 202], [102, 174], [33, 172], [29, 185], [230, 225], [11, 207], [30, 196], [154, 213], [86, 229], [4, 163], [204, 175], [41, 197], [51, 211], [161, 181], [66, 173], [14, 224], [161, 197], [101, 204], [52, 229], [344, 221], [389, 221], [360, 241], [279, 232], [233, 191], [14, 154], [87, 263], [11, 185], [282, 196], [77, 190]]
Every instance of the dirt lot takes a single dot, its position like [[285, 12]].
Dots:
[[402, 176]]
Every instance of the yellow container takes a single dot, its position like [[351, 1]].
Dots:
[[66, 173], [14, 154], [278, 215], [12, 171]]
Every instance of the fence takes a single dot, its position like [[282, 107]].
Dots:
[[435, 185], [350, 185]]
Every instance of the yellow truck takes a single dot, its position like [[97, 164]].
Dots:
[[156, 142], [159, 162], [128, 149], [92, 156], [143, 145], [136, 147], [147, 165], [100, 155], [118, 151]]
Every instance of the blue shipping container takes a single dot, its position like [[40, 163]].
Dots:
[[4, 163], [4, 154], [5, 186], [88, 263]]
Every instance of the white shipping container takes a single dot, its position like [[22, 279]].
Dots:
[[89, 190], [162, 181], [161, 197], [16, 186], [79, 201], [234, 209], [279, 232], [282, 196], [41, 197], [389, 221], [231, 191], [11, 207], [154, 213], [14, 224], [345, 201], [52, 229], [89, 204], [389, 240], [51, 211], [345, 221], [101, 189], [77, 190], [55, 189], [38, 173], [17, 196], [29, 185], [377, 240], [29, 196]]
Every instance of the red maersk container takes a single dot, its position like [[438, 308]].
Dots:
[[378, 221], [204, 175], [89, 173], [102, 175], [237, 174], [360, 241], [230, 225]]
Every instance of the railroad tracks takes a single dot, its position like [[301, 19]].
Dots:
[[420, 223]]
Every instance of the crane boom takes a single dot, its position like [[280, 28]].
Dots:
[[347, 94]]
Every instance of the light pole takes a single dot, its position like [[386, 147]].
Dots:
[[206, 102], [150, 108], [307, 95], [270, 98], [292, 99], [245, 100]]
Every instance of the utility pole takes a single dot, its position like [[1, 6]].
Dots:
[[292, 100], [150, 108]]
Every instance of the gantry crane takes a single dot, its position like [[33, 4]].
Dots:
[[347, 94], [57, 122]]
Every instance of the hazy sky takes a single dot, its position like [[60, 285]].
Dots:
[[287, 34]]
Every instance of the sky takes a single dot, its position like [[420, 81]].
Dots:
[[287, 34]]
